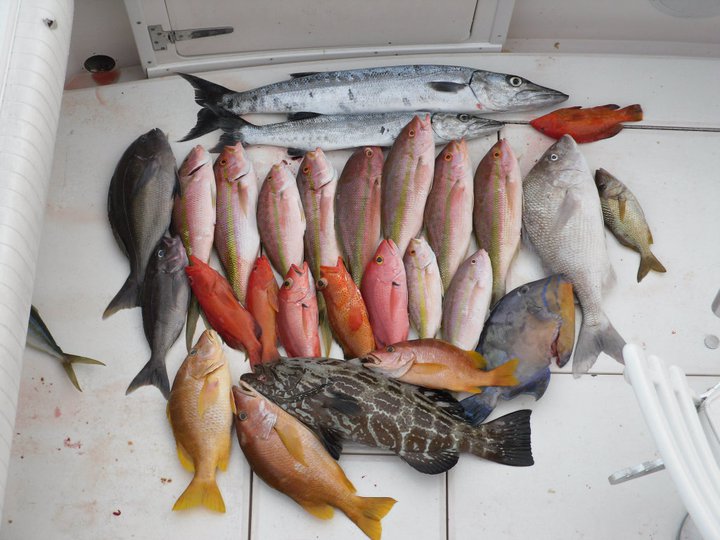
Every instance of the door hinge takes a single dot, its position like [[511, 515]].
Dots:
[[161, 38]]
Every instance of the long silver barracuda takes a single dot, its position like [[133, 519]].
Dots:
[[434, 88], [304, 133]]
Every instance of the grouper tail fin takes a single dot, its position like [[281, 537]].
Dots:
[[505, 440]]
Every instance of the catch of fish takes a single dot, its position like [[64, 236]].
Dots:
[[403, 237]]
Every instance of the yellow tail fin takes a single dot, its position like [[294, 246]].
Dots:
[[203, 492], [368, 513], [505, 374]]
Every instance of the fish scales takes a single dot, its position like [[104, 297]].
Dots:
[[340, 401], [339, 131], [378, 89], [563, 220]]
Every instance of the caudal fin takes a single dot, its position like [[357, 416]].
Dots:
[[592, 340], [504, 375], [127, 297], [70, 359], [368, 512], [207, 94], [505, 440], [632, 113], [192, 319], [203, 492], [154, 373], [648, 262], [206, 122]]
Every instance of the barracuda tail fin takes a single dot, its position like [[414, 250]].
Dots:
[[153, 373], [207, 94], [505, 440]]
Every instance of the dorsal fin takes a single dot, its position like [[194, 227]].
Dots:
[[301, 74]]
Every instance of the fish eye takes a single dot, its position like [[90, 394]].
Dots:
[[223, 162], [193, 352], [448, 156], [379, 259], [463, 117], [288, 283], [242, 415], [497, 154], [306, 169], [553, 157], [474, 261], [524, 289], [161, 253], [369, 152], [390, 348], [322, 283], [411, 133], [515, 81]]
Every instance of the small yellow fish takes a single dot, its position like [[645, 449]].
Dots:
[[290, 458], [200, 410]]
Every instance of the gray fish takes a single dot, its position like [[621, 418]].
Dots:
[[40, 338], [625, 218], [165, 299], [303, 133], [563, 221], [406, 88], [140, 202], [341, 400], [534, 323]]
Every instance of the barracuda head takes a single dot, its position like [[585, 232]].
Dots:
[[505, 92], [451, 127]]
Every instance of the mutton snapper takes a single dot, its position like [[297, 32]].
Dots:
[[304, 132], [563, 220], [341, 400], [435, 88]]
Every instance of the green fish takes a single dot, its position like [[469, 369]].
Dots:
[[624, 217]]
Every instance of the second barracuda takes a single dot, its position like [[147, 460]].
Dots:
[[334, 132]]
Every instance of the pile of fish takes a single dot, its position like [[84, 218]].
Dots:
[[363, 256]]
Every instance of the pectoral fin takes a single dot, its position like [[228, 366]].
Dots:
[[428, 369], [446, 86], [291, 437], [208, 394], [570, 205]]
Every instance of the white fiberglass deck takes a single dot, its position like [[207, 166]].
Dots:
[[103, 465]]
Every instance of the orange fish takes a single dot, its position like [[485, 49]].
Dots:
[[587, 125], [434, 363], [298, 315], [291, 459], [224, 313], [346, 310], [262, 303]]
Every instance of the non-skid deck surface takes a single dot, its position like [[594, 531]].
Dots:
[[103, 465]]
